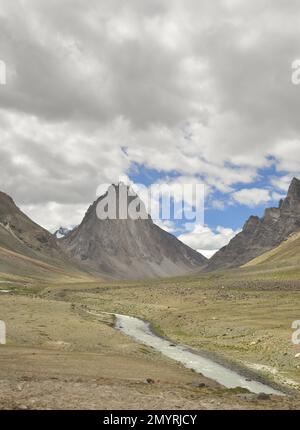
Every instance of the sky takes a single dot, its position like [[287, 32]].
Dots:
[[154, 90]]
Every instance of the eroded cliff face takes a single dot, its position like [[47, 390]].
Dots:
[[262, 234]]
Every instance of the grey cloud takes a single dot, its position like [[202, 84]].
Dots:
[[202, 88]]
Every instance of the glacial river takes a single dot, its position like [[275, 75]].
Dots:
[[140, 331]]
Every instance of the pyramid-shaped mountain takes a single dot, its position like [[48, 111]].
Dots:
[[129, 248]]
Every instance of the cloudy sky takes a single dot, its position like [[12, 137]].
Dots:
[[158, 90]]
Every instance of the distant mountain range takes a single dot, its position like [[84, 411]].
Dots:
[[130, 249], [136, 249], [63, 232]]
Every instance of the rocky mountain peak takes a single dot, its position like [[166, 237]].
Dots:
[[294, 189], [292, 200], [6, 203], [128, 247], [251, 223], [120, 201]]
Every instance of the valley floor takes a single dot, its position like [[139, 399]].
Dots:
[[59, 356]]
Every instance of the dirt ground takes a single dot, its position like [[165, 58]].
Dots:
[[45, 379], [59, 357]]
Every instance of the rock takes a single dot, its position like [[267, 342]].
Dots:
[[259, 235], [263, 396], [297, 355], [246, 396], [199, 384]]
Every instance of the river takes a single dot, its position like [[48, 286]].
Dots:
[[140, 331]]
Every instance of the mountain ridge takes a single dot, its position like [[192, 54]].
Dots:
[[27, 247], [260, 235]]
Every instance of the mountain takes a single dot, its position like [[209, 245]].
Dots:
[[19, 233], [129, 248], [260, 235], [62, 232], [25, 247]]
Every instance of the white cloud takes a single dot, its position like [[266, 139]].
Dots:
[[208, 253], [54, 215], [206, 239], [252, 196], [282, 182], [276, 197], [184, 86], [168, 226]]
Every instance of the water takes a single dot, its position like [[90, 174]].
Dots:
[[141, 332]]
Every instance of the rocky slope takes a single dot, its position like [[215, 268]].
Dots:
[[286, 255], [259, 235], [26, 247], [129, 248], [19, 233]]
